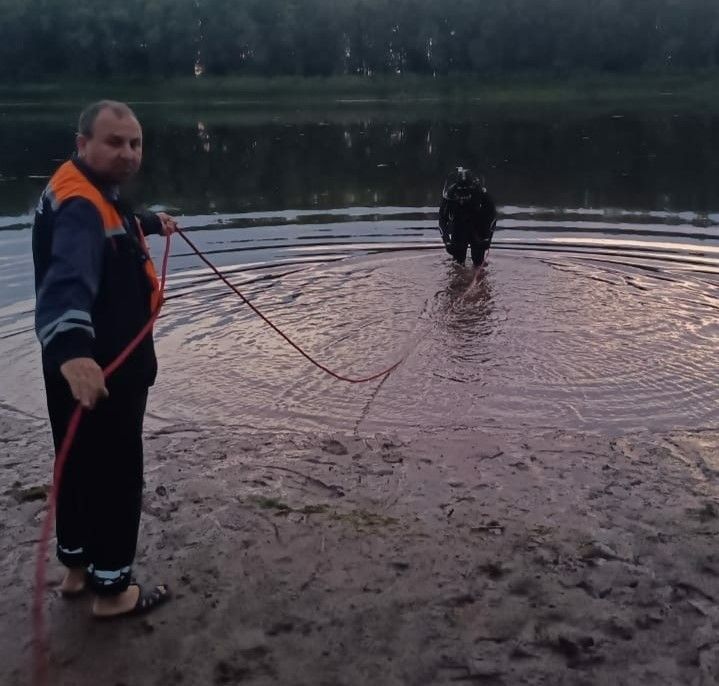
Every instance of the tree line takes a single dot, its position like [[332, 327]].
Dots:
[[41, 40]]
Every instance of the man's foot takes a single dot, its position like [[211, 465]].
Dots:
[[74, 583], [133, 601]]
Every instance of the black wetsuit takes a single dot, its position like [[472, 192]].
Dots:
[[467, 222]]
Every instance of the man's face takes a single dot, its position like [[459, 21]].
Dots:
[[114, 150]]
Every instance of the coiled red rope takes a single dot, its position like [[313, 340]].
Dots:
[[40, 644]]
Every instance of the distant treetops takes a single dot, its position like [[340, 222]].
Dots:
[[44, 39]]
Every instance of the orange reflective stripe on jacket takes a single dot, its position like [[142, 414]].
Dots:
[[69, 182]]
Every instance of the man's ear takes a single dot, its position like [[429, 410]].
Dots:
[[81, 143]]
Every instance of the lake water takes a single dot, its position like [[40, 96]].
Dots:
[[598, 308]]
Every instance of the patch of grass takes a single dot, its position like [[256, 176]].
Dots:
[[314, 509], [31, 494], [271, 504], [362, 519], [266, 503]]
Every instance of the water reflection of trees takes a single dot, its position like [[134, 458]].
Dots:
[[643, 163], [230, 162]]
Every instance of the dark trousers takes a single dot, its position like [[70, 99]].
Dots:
[[463, 238], [100, 497]]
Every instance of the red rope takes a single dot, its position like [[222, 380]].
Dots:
[[275, 328], [39, 629]]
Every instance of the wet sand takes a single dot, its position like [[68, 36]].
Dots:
[[493, 558]]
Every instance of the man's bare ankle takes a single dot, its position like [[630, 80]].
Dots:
[[74, 579], [114, 604]]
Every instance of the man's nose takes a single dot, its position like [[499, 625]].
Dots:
[[127, 152]]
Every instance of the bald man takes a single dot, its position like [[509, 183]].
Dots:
[[96, 288]]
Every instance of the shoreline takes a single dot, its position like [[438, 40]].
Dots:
[[499, 557], [652, 90]]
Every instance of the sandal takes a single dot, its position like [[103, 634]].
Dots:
[[146, 602]]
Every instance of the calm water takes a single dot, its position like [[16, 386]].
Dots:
[[598, 308]]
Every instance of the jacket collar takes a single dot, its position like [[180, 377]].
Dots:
[[110, 191]]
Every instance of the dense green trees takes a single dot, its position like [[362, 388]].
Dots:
[[45, 39]]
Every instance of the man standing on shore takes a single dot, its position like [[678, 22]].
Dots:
[[96, 288]]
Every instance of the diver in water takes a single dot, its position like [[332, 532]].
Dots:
[[467, 216]]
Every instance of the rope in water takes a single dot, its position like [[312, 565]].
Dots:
[[275, 328]]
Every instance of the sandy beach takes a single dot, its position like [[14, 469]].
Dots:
[[542, 557]]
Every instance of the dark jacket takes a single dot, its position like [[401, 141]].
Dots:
[[92, 287], [473, 216]]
